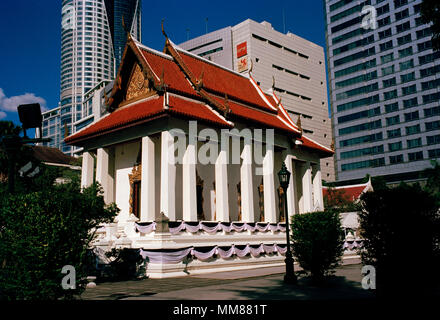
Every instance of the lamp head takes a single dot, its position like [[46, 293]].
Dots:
[[30, 115], [284, 176]]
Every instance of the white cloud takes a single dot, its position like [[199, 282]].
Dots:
[[2, 115], [10, 104]]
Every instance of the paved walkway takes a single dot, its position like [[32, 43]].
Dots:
[[254, 284]]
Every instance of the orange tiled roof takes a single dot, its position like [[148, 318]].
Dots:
[[197, 89]]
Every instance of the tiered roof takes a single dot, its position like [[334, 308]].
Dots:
[[185, 85], [349, 192]]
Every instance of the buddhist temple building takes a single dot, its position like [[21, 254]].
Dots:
[[189, 152]]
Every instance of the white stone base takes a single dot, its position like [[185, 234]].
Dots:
[[159, 271]]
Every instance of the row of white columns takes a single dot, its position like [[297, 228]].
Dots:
[[311, 186]]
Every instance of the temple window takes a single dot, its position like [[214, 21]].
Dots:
[[260, 189]]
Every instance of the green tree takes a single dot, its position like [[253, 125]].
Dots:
[[430, 12], [23, 156], [42, 231], [317, 242], [401, 231], [47, 174]]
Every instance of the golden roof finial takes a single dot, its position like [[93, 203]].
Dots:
[[163, 30], [227, 108], [298, 123], [279, 103], [199, 82]]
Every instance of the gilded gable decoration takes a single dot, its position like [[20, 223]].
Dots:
[[138, 85]]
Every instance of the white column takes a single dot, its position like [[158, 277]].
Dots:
[[269, 188], [247, 190], [87, 170], [148, 192], [167, 176], [102, 173], [221, 186], [291, 190], [318, 200], [307, 187], [189, 183]]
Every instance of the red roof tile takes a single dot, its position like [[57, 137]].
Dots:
[[146, 109], [173, 76], [218, 80], [120, 118], [309, 143], [350, 193], [195, 110], [255, 115]]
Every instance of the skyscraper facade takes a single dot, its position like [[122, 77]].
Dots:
[[291, 66], [384, 89], [120, 14], [92, 41]]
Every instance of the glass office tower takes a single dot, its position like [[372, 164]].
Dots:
[[128, 11], [92, 42], [384, 89]]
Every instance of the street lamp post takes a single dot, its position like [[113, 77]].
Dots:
[[284, 177], [30, 117]]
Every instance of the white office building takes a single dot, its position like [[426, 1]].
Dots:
[[291, 65]]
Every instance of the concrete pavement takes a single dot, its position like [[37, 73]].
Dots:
[[253, 284]]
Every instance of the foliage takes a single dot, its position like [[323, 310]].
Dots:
[[430, 12], [401, 232], [125, 263], [317, 242], [378, 183], [9, 128], [42, 231], [47, 175]]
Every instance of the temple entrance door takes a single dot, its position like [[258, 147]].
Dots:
[[137, 199]]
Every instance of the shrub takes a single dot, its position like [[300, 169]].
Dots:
[[401, 232], [40, 232], [317, 242], [125, 264]]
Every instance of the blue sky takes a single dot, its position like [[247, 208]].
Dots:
[[30, 37]]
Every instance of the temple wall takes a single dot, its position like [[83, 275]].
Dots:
[[233, 180], [125, 158], [207, 174]]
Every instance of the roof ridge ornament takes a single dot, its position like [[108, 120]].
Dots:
[[227, 109], [107, 101], [167, 40], [199, 82], [124, 26], [162, 86], [298, 123], [273, 83], [279, 103], [163, 30]]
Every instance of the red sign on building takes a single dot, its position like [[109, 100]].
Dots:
[[242, 49]]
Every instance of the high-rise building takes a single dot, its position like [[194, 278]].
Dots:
[[93, 38], [286, 63], [128, 11], [384, 89]]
